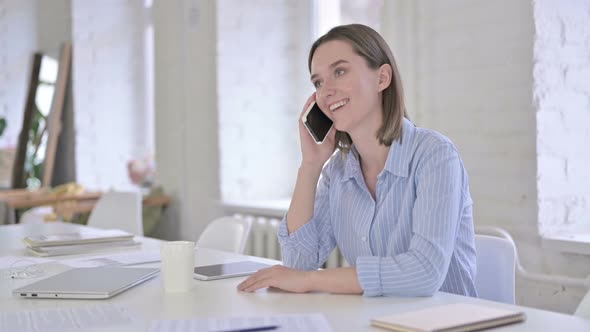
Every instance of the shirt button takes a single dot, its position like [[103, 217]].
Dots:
[[364, 238]]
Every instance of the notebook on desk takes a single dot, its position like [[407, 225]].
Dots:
[[85, 248], [82, 237], [87, 283], [458, 317]]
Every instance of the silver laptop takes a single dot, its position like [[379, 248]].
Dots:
[[87, 283]]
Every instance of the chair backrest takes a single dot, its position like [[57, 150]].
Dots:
[[583, 309], [227, 234], [35, 214], [496, 262], [120, 210]]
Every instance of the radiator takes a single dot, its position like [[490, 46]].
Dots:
[[263, 241]]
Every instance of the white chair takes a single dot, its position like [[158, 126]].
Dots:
[[35, 215], [120, 210], [496, 262], [226, 234], [583, 309]]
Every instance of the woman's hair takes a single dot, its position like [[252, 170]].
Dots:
[[367, 43]]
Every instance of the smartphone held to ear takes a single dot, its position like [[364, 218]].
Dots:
[[317, 123]]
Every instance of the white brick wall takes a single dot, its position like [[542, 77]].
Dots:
[[367, 12], [474, 65], [18, 41], [110, 92], [562, 97], [262, 84]]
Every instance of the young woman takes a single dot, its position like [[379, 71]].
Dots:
[[394, 198]]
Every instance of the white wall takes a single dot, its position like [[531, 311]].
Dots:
[[186, 114], [263, 83], [471, 78], [367, 12], [18, 42], [109, 76], [562, 96]]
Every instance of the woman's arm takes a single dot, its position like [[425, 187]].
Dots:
[[340, 281], [302, 202], [305, 235], [314, 157]]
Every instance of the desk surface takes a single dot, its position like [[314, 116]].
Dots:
[[220, 297]]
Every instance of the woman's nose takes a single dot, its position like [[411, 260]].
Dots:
[[326, 91]]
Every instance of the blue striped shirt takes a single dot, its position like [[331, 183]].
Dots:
[[415, 238]]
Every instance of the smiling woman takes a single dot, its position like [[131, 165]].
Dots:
[[394, 199]]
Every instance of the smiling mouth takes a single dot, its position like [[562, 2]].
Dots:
[[338, 105]]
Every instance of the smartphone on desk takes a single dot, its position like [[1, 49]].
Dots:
[[227, 270], [317, 123]]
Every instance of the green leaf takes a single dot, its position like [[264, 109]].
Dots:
[[2, 125]]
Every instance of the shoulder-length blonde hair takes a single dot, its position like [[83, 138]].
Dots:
[[367, 43]]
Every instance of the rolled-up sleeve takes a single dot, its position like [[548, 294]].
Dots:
[[309, 247], [436, 215]]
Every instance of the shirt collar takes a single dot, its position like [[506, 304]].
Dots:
[[352, 166], [398, 158]]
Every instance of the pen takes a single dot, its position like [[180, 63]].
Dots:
[[254, 329]]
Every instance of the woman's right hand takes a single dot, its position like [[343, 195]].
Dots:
[[315, 155]]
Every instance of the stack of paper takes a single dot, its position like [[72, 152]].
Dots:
[[85, 241], [110, 259]]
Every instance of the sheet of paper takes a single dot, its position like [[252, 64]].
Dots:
[[7, 262], [285, 323], [114, 259], [59, 319]]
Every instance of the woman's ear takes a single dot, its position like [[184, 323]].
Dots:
[[384, 76]]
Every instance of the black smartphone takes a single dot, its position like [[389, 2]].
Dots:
[[317, 123]]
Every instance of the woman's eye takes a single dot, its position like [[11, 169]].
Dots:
[[317, 84], [339, 72]]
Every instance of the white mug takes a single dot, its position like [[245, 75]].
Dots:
[[178, 262]]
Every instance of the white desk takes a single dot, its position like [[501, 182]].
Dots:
[[220, 298]]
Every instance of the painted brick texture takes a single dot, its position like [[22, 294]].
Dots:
[[262, 86], [110, 100], [562, 97], [18, 41]]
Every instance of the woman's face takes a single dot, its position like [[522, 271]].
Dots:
[[347, 90]]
